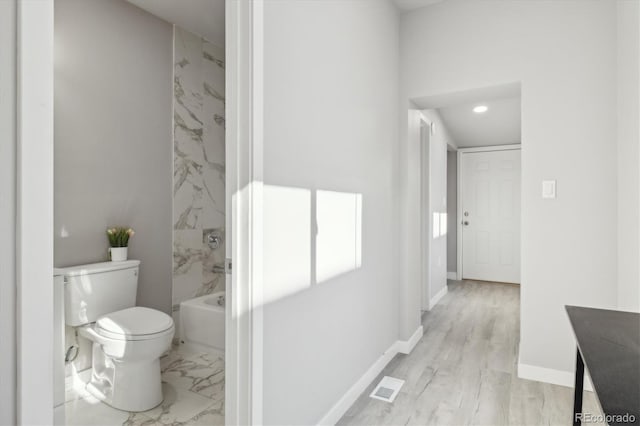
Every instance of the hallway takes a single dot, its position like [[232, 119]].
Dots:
[[464, 369]]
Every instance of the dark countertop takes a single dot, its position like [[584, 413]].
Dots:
[[609, 342]]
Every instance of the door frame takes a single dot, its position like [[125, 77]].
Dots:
[[34, 212], [425, 214], [8, 133], [244, 182], [461, 151]]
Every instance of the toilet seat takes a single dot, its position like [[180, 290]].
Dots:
[[137, 323]]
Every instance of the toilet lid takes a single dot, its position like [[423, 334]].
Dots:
[[137, 321]]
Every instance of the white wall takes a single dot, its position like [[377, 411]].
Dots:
[[330, 105], [628, 152], [113, 138], [8, 212], [437, 192], [564, 53], [452, 211]]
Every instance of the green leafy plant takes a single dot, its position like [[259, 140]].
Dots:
[[119, 236]]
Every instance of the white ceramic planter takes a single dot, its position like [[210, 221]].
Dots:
[[118, 254]]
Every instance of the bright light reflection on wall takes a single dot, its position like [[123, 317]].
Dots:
[[443, 224], [287, 241], [309, 237], [439, 225], [339, 233]]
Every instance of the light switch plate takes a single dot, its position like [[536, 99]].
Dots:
[[548, 189]]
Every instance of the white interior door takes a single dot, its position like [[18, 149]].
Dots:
[[490, 185]]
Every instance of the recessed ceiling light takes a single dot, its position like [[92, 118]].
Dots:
[[480, 109]]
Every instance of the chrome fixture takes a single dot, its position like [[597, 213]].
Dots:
[[219, 269], [214, 240]]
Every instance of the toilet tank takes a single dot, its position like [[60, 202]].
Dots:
[[93, 290]]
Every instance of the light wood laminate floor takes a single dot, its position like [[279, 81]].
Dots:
[[464, 369]]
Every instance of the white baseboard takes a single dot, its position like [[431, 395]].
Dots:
[[435, 299], [406, 346], [452, 275], [550, 375], [350, 397]]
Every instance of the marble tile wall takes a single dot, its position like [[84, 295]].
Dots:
[[199, 169]]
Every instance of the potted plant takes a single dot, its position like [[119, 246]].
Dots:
[[119, 242]]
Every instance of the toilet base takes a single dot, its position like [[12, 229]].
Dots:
[[127, 386]]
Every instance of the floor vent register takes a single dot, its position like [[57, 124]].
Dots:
[[387, 389]]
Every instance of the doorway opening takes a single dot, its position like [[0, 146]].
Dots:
[[140, 143], [36, 401], [469, 188]]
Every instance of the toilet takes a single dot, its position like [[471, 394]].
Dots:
[[128, 340]]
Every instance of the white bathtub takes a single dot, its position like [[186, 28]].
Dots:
[[202, 323]]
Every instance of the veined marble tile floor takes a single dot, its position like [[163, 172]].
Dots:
[[464, 369], [193, 386]]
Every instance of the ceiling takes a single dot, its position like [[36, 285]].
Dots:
[[500, 125], [407, 5], [202, 17]]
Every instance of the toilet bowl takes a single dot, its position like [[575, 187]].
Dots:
[[128, 340], [127, 346]]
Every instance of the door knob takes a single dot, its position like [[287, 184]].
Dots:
[[465, 222]]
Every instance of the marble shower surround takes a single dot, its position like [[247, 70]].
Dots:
[[199, 169]]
